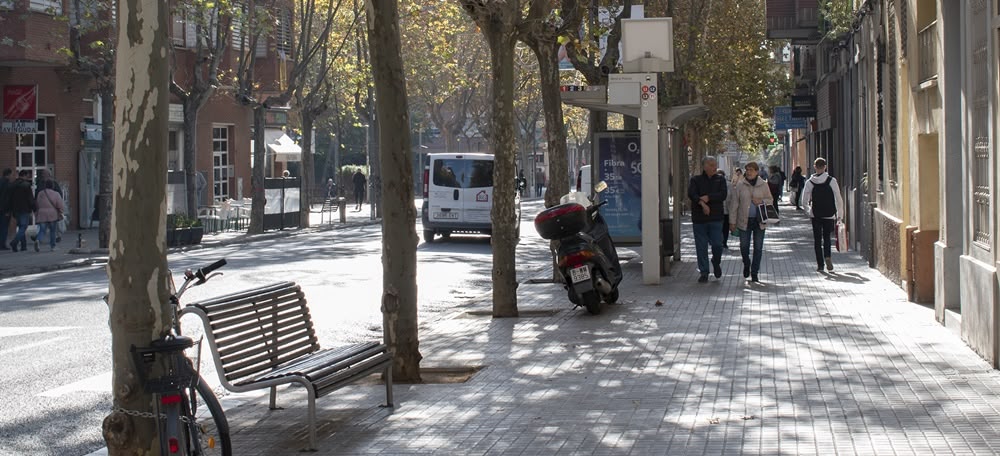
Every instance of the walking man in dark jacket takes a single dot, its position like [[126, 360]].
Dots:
[[22, 204], [708, 192], [360, 184], [826, 208], [5, 186]]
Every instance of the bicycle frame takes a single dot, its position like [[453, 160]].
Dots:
[[177, 388]]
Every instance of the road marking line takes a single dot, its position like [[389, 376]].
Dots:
[[7, 331], [100, 383], [32, 345]]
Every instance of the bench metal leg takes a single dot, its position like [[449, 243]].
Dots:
[[312, 421], [274, 398], [388, 386]]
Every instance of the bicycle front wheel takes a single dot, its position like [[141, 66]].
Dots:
[[210, 434]]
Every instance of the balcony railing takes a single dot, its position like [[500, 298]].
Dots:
[[927, 42]]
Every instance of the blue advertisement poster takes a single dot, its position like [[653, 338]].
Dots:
[[619, 164], [783, 119]]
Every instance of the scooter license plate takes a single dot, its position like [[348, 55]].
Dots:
[[579, 274]]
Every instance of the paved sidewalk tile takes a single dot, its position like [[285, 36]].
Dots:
[[804, 363]]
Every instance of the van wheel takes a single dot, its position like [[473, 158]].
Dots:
[[429, 236], [446, 235]]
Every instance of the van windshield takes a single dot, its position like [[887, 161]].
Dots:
[[454, 173]]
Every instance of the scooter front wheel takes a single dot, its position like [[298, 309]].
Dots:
[[592, 301], [612, 297]]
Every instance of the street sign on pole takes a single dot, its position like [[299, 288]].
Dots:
[[783, 119]]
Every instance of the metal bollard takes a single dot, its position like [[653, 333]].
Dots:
[[342, 207]]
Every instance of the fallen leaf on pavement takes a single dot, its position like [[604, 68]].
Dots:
[[713, 421], [659, 303], [749, 417]]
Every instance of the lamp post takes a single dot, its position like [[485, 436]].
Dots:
[[336, 162]]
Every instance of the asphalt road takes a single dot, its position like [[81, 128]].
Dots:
[[55, 341]]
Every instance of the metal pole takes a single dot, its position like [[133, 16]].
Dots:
[[420, 160], [649, 124], [368, 159]]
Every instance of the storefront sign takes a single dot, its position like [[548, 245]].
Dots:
[[783, 119], [20, 102], [803, 106], [619, 164], [21, 127]]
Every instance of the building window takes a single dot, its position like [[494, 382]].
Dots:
[[32, 150], [175, 146], [981, 152], [220, 162], [46, 6], [177, 28]]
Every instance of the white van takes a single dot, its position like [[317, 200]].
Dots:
[[458, 195], [583, 179]]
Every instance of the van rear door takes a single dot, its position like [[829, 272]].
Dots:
[[479, 191], [446, 191]]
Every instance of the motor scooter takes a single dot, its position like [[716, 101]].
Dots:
[[586, 255]]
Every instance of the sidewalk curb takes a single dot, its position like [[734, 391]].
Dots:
[[53, 267], [102, 254]]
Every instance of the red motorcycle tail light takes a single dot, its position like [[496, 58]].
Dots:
[[575, 259]]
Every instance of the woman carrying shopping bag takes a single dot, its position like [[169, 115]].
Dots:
[[745, 219], [50, 212]]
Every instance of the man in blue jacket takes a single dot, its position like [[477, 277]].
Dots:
[[708, 192]]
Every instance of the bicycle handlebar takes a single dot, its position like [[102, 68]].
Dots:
[[203, 273]]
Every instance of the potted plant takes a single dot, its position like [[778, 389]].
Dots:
[[197, 231], [171, 230], [183, 230]]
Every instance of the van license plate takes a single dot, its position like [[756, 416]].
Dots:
[[446, 215], [580, 274]]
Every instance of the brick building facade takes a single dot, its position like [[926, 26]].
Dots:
[[34, 35]]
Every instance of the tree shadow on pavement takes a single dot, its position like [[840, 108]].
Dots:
[[59, 429], [801, 368]]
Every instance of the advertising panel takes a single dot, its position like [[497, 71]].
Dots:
[[619, 164], [20, 109]]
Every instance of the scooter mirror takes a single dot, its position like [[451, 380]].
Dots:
[[600, 187]]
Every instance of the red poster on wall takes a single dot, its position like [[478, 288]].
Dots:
[[20, 102]]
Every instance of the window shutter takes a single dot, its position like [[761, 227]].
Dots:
[[190, 34], [261, 50]]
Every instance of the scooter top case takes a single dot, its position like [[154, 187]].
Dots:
[[561, 221]]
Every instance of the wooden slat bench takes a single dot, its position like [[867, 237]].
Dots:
[[264, 337]]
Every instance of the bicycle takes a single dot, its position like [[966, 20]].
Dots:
[[177, 389]]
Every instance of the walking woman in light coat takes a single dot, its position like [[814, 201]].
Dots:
[[50, 211], [744, 217]]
